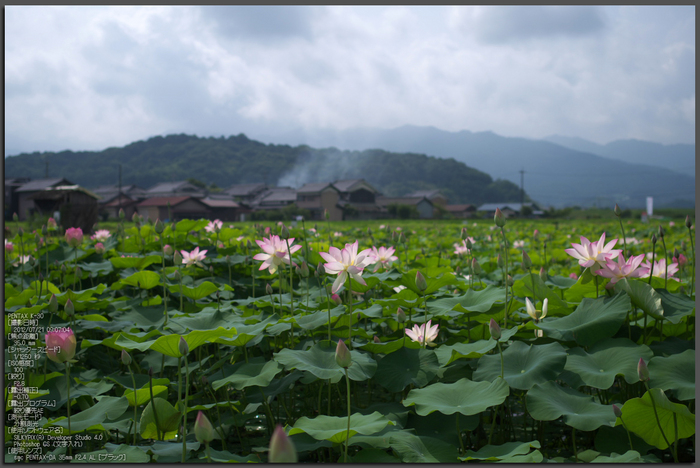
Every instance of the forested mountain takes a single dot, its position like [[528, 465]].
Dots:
[[238, 159]]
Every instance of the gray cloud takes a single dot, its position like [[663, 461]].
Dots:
[[517, 23], [262, 23]]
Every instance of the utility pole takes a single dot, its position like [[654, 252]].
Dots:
[[522, 187], [120, 189]]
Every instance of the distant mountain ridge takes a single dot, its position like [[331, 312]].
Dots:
[[240, 160], [554, 175]]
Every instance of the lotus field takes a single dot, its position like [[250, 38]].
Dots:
[[409, 341]]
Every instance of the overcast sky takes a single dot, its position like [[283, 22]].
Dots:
[[87, 78]]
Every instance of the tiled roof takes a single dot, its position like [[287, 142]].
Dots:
[[425, 193], [458, 208], [219, 203], [41, 184], [163, 201], [502, 206], [171, 187], [240, 190], [314, 187], [385, 201]]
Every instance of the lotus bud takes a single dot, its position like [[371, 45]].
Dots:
[[469, 244], [545, 304], [509, 280], [282, 448], [527, 263], [126, 358], [661, 232], [74, 237], [183, 347], [326, 215], [688, 224], [135, 218], [617, 411], [653, 239], [159, 227], [78, 272], [402, 238], [99, 248], [268, 289], [464, 234], [60, 345], [335, 298], [499, 261], [15, 218], [400, 315], [476, 268], [122, 215], [53, 304], [617, 210], [177, 258], [369, 232], [535, 234], [320, 269], [63, 268], [284, 232], [499, 218], [177, 275], [495, 330], [458, 270], [421, 284], [376, 339], [20, 231], [543, 274], [342, 355], [70, 310], [167, 249], [203, 430], [643, 370], [304, 269]]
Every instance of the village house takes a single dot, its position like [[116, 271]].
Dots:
[[319, 198], [358, 199], [422, 205], [25, 203], [461, 211], [11, 199], [173, 208], [75, 205], [179, 188], [245, 193], [435, 196]]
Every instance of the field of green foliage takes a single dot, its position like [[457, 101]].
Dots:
[[398, 341]]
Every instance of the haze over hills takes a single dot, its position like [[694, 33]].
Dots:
[[679, 157], [240, 160], [554, 175]]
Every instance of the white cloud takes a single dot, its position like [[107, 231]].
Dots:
[[92, 77]]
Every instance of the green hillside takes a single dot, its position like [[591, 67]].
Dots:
[[238, 159]]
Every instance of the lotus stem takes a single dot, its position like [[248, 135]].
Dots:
[[347, 435], [291, 289], [153, 404], [500, 351], [459, 436], [133, 382], [573, 440], [505, 247], [629, 437], [70, 448], [184, 411], [624, 240]]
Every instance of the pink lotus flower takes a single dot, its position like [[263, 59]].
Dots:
[[99, 248], [573, 276], [9, 246], [682, 260], [101, 235], [419, 334], [383, 256], [660, 269], [74, 236], [623, 269], [21, 260], [275, 252], [193, 258], [589, 254], [214, 226], [51, 224], [461, 249], [60, 345], [346, 262]]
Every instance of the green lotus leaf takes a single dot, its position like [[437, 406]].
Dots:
[[143, 395], [334, 429], [143, 279], [464, 397], [435, 278], [108, 408], [390, 346], [607, 359], [422, 449], [643, 296], [135, 262], [320, 361], [639, 417], [222, 456], [524, 366], [500, 452], [195, 293], [533, 457], [592, 321], [407, 366], [471, 301], [373, 455], [168, 420], [168, 344], [676, 373], [447, 354], [256, 372], [617, 439], [549, 401], [631, 456], [187, 225], [675, 306]]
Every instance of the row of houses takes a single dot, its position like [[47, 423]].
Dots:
[[342, 200]]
